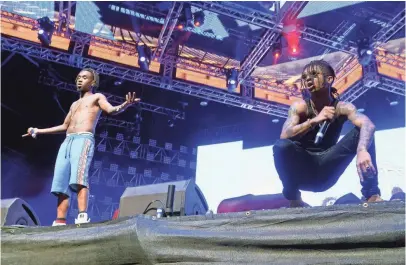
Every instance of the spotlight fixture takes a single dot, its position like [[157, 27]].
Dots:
[[277, 49], [232, 79], [171, 123], [394, 103], [199, 18], [180, 26], [118, 82], [144, 56], [361, 110], [364, 51], [46, 29]]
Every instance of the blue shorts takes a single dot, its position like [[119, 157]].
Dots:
[[73, 163]]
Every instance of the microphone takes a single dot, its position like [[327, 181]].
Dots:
[[33, 134], [322, 131]]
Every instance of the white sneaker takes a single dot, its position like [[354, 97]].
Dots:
[[57, 224], [82, 219]]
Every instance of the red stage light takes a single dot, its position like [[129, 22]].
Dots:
[[197, 23], [180, 26], [277, 54], [294, 50]]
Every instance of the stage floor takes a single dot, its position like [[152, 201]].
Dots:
[[342, 234]]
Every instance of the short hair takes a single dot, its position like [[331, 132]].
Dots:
[[95, 76]]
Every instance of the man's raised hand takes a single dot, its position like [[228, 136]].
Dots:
[[131, 99]]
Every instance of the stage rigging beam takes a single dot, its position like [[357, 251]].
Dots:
[[196, 90], [390, 29], [108, 121], [167, 29], [242, 13], [356, 91], [268, 21], [392, 85], [268, 39], [114, 99]]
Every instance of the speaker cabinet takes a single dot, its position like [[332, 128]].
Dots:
[[16, 211], [188, 199]]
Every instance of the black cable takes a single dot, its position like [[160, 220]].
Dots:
[[150, 209], [147, 208]]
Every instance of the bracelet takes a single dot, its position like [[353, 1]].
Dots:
[[118, 108]]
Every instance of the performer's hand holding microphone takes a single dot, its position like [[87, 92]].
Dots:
[[31, 132], [324, 118]]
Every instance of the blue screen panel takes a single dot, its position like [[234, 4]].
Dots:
[[31, 9]]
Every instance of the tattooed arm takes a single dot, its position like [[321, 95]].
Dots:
[[367, 128], [113, 110], [291, 127]]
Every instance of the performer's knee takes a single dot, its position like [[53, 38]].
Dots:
[[282, 145]]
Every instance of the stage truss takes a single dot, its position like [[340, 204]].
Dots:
[[272, 24], [175, 114]]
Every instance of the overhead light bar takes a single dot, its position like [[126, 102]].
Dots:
[[46, 29], [144, 56], [364, 51]]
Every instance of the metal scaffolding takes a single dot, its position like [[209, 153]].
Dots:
[[268, 21], [197, 90], [108, 121], [392, 85], [390, 29], [169, 61], [273, 25], [372, 79], [231, 9], [357, 90], [114, 99], [269, 38], [167, 29]]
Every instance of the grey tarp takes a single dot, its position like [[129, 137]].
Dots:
[[345, 234]]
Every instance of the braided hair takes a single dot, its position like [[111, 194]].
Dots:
[[95, 77], [326, 69]]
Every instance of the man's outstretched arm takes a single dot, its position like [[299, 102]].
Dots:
[[53, 130], [113, 110]]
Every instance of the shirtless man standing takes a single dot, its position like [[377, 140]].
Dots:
[[76, 152]]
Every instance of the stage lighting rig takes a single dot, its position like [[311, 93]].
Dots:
[[199, 18], [189, 19], [232, 79], [187, 12], [46, 29], [144, 56], [181, 25], [171, 123], [364, 51], [277, 49]]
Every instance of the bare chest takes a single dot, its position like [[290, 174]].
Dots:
[[85, 108]]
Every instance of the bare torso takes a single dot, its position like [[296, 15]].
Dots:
[[85, 113]]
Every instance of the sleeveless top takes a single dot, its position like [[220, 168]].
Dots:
[[330, 137]]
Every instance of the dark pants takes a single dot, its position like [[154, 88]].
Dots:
[[300, 169]]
